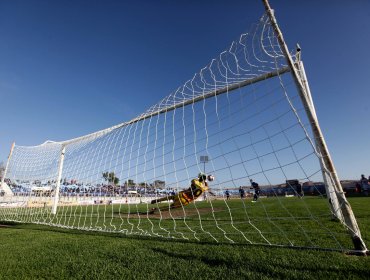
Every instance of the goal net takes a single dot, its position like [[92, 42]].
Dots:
[[240, 119]]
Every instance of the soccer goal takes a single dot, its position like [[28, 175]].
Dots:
[[234, 155]]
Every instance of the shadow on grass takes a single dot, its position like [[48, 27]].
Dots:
[[144, 237], [9, 224], [275, 267]]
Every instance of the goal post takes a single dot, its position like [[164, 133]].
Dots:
[[5, 188], [330, 191], [59, 178], [340, 199]]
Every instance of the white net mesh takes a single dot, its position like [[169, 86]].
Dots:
[[243, 112]]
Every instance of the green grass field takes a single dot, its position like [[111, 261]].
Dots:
[[29, 251]]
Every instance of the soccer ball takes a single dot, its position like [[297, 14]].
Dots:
[[211, 178]]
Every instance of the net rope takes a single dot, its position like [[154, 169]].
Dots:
[[243, 112]]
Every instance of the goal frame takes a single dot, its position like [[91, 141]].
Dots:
[[339, 205]]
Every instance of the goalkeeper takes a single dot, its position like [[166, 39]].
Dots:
[[183, 198]]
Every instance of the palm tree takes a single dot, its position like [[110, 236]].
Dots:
[[111, 178]]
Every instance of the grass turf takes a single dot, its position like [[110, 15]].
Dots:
[[29, 251]]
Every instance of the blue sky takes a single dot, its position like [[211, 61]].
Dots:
[[69, 68]]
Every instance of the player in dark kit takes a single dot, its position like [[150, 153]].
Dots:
[[257, 190], [241, 192]]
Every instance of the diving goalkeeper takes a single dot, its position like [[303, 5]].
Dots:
[[183, 198]]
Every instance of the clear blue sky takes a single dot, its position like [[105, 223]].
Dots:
[[68, 68]]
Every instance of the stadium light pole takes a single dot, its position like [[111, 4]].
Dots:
[[349, 219], [204, 160]]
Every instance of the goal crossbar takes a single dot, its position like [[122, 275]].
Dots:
[[228, 88]]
